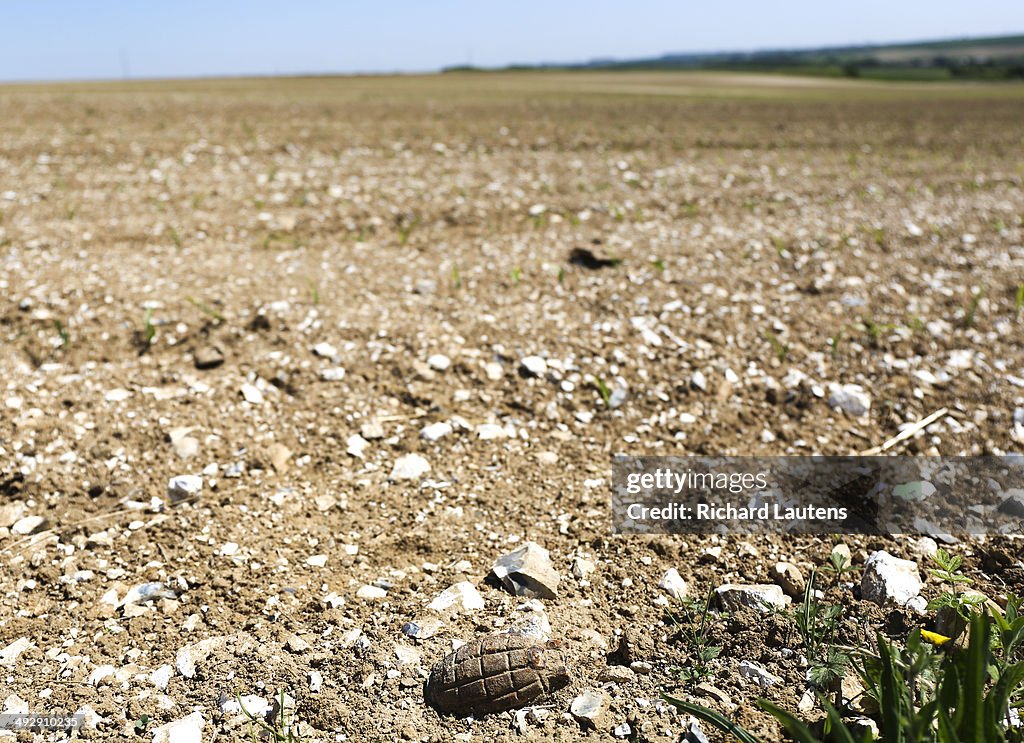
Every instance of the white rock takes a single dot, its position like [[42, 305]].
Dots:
[[439, 362], [924, 547], [101, 673], [850, 398], [422, 629], [90, 718], [255, 705], [888, 579], [673, 584], [186, 730], [28, 525], [762, 597], [764, 678], [494, 371], [589, 706], [372, 430], [184, 487], [190, 656], [15, 705], [527, 571], [793, 379], [409, 467], [461, 597], [616, 675], [530, 620], [117, 395], [534, 366], [622, 730], [582, 568], [316, 561], [184, 446], [251, 394], [161, 677], [918, 605], [9, 655], [699, 381], [316, 681], [325, 350], [333, 374], [914, 491], [146, 592], [435, 431], [962, 358], [11, 512], [547, 457], [490, 432], [356, 445], [789, 577], [406, 656], [371, 593]]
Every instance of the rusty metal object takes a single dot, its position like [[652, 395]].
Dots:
[[495, 673]]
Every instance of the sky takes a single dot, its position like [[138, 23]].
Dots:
[[99, 39]]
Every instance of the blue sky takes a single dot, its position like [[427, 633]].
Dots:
[[81, 39]]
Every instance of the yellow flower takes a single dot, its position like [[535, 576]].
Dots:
[[934, 637]]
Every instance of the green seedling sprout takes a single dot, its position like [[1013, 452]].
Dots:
[[205, 309], [148, 330], [62, 331], [780, 349], [972, 308], [604, 391], [948, 572], [281, 731], [695, 631]]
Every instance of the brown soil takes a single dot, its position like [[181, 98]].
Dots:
[[436, 216]]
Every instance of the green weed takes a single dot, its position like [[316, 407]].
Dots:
[[405, 228], [141, 725], [780, 349], [875, 330], [148, 329], [279, 730], [925, 694], [833, 343], [62, 331], [948, 572], [205, 309], [817, 623], [694, 631], [972, 307]]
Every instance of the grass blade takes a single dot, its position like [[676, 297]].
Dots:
[[795, 727], [713, 718]]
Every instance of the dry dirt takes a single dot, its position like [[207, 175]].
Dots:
[[842, 232]]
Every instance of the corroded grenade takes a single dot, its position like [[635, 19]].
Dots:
[[495, 673]]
